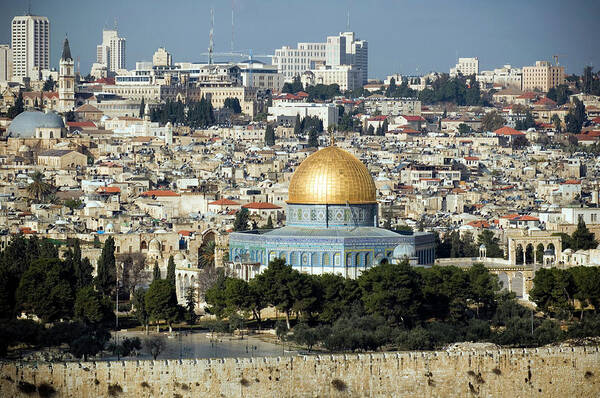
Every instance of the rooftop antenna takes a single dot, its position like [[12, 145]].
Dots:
[[116, 23], [29, 7], [78, 65], [232, 25], [210, 37], [348, 22]]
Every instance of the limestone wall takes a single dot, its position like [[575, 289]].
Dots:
[[555, 372]]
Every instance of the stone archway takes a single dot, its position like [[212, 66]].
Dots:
[[504, 281], [529, 254]]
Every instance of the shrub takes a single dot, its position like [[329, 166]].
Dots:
[[45, 390], [339, 385], [415, 339], [26, 388], [114, 390]]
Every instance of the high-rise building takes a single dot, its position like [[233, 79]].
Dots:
[[465, 67], [66, 80], [111, 53], [162, 58], [543, 76], [5, 63], [30, 44], [343, 49]]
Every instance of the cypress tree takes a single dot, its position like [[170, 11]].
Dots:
[[171, 271], [156, 272], [106, 278]]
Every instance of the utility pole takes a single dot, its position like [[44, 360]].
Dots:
[[117, 317]]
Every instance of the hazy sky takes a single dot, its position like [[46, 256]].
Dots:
[[406, 36]]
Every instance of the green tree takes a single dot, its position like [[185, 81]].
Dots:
[[560, 94], [17, 108], [575, 118], [483, 288], [520, 142], [106, 276], [161, 303], [269, 135], [241, 220], [557, 123], [371, 130], [233, 104], [391, 88], [206, 258], [190, 305], [313, 139], [46, 290], [582, 238], [464, 129], [39, 189], [215, 297], [492, 121], [92, 308], [586, 281], [297, 126], [142, 108], [552, 290], [275, 282], [156, 272], [49, 84], [171, 271], [269, 224], [392, 291], [491, 242], [139, 307]]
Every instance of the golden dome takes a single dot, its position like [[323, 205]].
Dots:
[[332, 176]]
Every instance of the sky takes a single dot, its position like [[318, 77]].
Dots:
[[405, 36]]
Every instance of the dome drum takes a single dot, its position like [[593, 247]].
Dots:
[[331, 216]]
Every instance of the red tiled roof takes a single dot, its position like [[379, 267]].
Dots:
[[159, 193], [224, 202], [379, 118], [572, 182], [510, 216], [81, 124], [261, 206], [413, 118], [185, 233], [479, 224], [545, 101], [508, 131], [109, 190], [471, 158], [526, 218]]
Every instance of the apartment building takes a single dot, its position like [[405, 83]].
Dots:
[[30, 44], [543, 76], [465, 67], [111, 53]]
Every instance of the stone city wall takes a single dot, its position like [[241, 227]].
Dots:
[[543, 372]]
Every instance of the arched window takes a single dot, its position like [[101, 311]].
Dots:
[[314, 259], [357, 259], [348, 259], [326, 259], [337, 259], [294, 258]]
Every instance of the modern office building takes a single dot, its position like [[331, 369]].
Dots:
[[543, 76], [343, 49], [30, 44], [6, 63], [111, 53]]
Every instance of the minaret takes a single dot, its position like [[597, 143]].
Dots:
[[66, 80]]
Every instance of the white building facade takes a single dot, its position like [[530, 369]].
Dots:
[[287, 112], [343, 49], [6, 63], [465, 67], [111, 53], [30, 44]]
